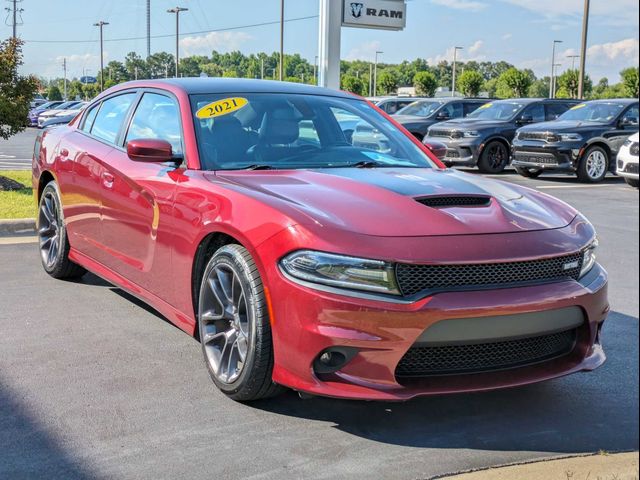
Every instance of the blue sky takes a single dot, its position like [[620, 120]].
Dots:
[[518, 31]]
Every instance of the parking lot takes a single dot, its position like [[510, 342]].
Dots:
[[94, 384]]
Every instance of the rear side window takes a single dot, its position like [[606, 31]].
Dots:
[[534, 113], [554, 110], [470, 107], [452, 110], [111, 116], [89, 118], [157, 117]]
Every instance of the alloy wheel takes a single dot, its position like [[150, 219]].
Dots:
[[225, 322], [497, 155], [596, 164], [49, 229]]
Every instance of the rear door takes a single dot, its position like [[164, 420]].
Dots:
[[137, 200]]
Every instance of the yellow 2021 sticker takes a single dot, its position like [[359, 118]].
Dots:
[[486, 105], [222, 107], [578, 107]]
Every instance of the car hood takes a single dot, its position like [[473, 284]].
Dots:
[[410, 119], [564, 126], [465, 123], [382, 201]]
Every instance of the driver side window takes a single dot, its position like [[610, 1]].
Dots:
[[630, 117], [157, 117], [534, 113]]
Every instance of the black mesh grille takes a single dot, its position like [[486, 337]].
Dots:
[[484, 357], [631, 168], [544, 136], [545, 158], [413, 279], [439, 133], [455, 201]]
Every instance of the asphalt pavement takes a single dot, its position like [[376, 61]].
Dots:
[[16, 153], [94, 384]]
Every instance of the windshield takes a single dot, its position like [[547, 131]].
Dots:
[[420, 109], [64, 105], [497, 111], [593, 112], [263, 131]]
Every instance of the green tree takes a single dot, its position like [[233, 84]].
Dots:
[[630, 81], [387, 82], [54, 93], [539, 88], [16, 91], [353, 84], [514, 83], [568, 84], [426, 83], [470, 83]]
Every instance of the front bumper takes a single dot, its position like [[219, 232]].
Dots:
[[563, 157], [627, 166], [462, 152], [306, 322]]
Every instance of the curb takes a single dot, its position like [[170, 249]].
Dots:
[[20, 226]]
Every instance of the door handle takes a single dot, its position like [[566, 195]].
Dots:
[[108, 179], [64, 152]]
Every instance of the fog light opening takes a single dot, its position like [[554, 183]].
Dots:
[[333, 359]]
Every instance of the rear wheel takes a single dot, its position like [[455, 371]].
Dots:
[[632, 182], [529, 172], [233, 321], [594, 165], [494, 157], [52, 236]]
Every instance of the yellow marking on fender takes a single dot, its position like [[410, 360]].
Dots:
[[222, 107]]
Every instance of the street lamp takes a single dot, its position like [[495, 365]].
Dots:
[[455, 58], [375, 74], [101, 24], [552, 82], [177, 11], [555, 75], [281, 40], [583, 50], [573, 60]]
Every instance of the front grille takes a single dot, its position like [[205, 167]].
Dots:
[[631, 168], [541, 158], [634, 149], [542, 136], [484, 357], [414, 279], [455, 201], [439, 133]]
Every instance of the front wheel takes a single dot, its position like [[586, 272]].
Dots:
[[52, 236], [494, 158], [632, 182], [234, 327], [594, 165], [529, 172]]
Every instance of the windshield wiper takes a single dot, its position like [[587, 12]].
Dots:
[[258, 167], [365, 164]]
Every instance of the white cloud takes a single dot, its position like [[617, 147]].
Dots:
[[476, 47], [507, 36], [475, 52], [365, 51], [76, 63], [469, 5], [618, 13], [220, 41]]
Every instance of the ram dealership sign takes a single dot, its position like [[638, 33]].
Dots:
[[381, 14]]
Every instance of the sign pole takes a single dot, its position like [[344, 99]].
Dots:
[[329, 43]]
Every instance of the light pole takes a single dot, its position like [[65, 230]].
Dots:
[[177, 11], [101, 24], [552, 81], [555, 75], [573, 60], [281, 40], [455, 59], [583, 52], [375, 74], [315, 70]]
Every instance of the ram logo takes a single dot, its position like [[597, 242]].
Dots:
[[356, 9]]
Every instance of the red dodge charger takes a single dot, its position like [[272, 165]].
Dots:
[[244, 213]]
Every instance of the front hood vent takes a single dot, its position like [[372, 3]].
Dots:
[[453, 201]]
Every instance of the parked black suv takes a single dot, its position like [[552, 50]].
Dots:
[[394, 104], [585, 140], [484, 137], [422, 114]]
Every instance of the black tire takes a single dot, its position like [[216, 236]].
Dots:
[[494, 157], [529, 172], [255, 379], [585, 173], [52, 231], [632, 182]]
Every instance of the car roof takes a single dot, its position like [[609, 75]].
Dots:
[[625, 101], [200, 85], [533, 100]]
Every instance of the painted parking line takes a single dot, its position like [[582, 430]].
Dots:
[[549, 187], [17, 240]]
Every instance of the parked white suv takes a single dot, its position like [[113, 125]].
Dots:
[[628, 161]]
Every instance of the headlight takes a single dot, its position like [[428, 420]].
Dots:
[[471, 134], [341, 271], [589, 259], [570, 137]]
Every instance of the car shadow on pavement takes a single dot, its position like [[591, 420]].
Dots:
[[27, 450], [585, 412]]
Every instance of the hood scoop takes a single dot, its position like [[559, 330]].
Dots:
[[455, 201]]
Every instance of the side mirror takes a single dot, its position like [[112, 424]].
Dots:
[[627, 122], [525, 119], [442, 116], [149, 150]]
